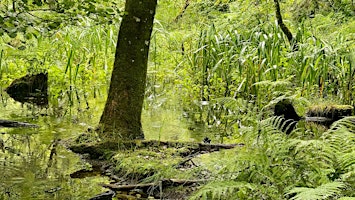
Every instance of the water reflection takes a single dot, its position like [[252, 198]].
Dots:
[[35, 169], [33, 164]]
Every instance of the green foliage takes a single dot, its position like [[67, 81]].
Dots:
[[231, 58], [224, 190], [152, 164], [224, 68], [35, 17], [321, 192], [290, 167]]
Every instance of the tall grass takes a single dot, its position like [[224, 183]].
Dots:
[[259, 66], [78, 60]]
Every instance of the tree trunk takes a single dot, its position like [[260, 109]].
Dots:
[[121, 118], [284, 28]]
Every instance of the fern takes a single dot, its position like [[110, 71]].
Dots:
[[278, 124], [346, 122], [223, 190], [271, 163], [341, 138], [322, 192]]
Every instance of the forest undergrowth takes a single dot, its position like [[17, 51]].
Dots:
[[223, 65]]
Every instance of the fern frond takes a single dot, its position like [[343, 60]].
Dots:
[[307, 145], [340, 139], [231, 103], [347, 160], [278, 124], [316, 153], [322, 192], [222, 190], [346, 122]]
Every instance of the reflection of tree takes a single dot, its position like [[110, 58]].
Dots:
[[22, 164], [53, 152]]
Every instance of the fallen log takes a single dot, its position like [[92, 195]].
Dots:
[[161, 184], [15, 124], [97, 150], [327, 114]]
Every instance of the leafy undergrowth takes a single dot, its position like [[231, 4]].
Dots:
[[302, 165], [271, 165]]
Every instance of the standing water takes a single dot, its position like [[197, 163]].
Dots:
[[35, 165]]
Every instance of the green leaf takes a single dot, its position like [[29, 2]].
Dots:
[[53, 25], [12, 34]]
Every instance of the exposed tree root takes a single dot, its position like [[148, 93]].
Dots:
[[103, 151]]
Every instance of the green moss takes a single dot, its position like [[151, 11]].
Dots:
[[150, 163], [331, 111]]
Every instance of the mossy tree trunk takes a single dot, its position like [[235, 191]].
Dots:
[[121, 118]]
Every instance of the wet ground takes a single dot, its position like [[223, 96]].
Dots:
[[34, 164]]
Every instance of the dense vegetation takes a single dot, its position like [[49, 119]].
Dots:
[[223, 64]]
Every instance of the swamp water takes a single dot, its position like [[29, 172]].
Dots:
[[34, 164]]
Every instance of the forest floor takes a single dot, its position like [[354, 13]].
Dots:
[[147, 169]]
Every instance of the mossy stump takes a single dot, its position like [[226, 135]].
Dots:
[[285, 109], [30, 89], [327, 114], [323, 114]]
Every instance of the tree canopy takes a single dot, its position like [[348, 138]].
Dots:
[[34, 17]]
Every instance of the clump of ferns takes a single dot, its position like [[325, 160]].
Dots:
[[260, 168], [331, 158], [273, 165]]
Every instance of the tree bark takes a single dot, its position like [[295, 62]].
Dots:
[[121, 118]]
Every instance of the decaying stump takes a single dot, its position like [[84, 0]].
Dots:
[[285, 109], [30, 89]]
